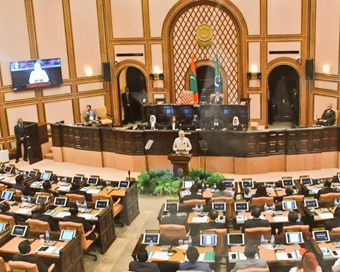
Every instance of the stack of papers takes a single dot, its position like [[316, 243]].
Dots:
[[203, 219], [327, 215], [92, 191], [24, 211], [62, 214], [280, 218], [64, 188], [160, 255], [87, 216]]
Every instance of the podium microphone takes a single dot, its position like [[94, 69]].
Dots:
[[129, 174]]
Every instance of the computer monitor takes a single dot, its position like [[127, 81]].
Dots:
[[19, 230], [321, 235], [187, 184], [311, 203], [2, 227], [208, 239], [306, 181], [294, 237], [77, 179], [148, 237], [241, 206], [169, 204], [219, 206], [8, 169], [229, 183], [101, 204], [289, 205], [45, 176], [41, 199], [287, 182], [67, 235], [235, 239], [92, 181], [124, 184], [32, 173], [247, 183], [60, 201], [7, 195]]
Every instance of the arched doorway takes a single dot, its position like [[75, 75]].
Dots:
[[205, 81], [132, 108], [283, 96]]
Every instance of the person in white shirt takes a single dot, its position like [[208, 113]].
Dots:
[[182, 144], [336, 266], [38, 75]]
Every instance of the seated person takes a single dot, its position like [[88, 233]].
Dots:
[[193, 193], [216, 99], [214, 224], [328, 117], [75, 189], [216, 124], [193, 264], [19, 185], [261, 191], [38, 75], [153, 125], [25, 256], [174, 219], [308, 263], [4, 209], [327, 188], [39, 215], [142, 265], [293, 219], [181, 144], [235, 125], [250, 252], [335, 222], [47, 188], [76, 219], [195, 123], [174, 124], [90, 115], [289, 191], [221, 192], [255, 221]]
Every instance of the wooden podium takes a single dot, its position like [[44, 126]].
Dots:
[[180, 162]]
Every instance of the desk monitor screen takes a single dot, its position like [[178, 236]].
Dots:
[[229, 183], [294, 238], [311, 203], [7, 195], [288, 205], [148, 237], [92, 181], [208, 239], [287, 182], [67, 235], [306, 181], [41, 199], [101, 204], [8, 169], [219, 206], [32, 174], [19, 230], [77, 179], [235, 239], [169, 204], [187, 184], [124, 184], [241, 206], [2, 227], [45, 176], [60, 201], [321, 236], [247, 184]]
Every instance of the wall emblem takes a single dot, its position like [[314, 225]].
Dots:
[[204, 35]]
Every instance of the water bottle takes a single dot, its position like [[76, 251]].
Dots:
[[47, 235], [29, 199], [189, 241], [22, 199], [274, 206], [203, 185], [272, 240], [85, 204], [265, 184], [262, 239], [201, 208], [214, 186], [77, 203], [336, 203], [151, 247], [266, 207], [196, 208]]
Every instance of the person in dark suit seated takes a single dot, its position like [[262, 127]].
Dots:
[[256, 221], [235, 125], [293, 219], [328, 117], [213, 215], [174, 124], [142, 265], [335, 222], [76, 219], [47, 188], [216, 99], [4, 209], [25, 256], [221, 192], [75, 189], [193, 193], [261, 191], [250, 252], [326, 188], [193, 264], [216, 124], [153, 125], [174, 219], [39, 215], [195, 123], [19, 185]]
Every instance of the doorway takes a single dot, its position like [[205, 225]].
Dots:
[[205, 81], [283, 96]]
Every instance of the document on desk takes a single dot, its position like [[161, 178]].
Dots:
[[160, 255], [200, 258], [64, 189], [334, 253], [197, 219], [47, 249], [327, 253], [51, 212], [280, 218], [294, 255], [62, 214], [24, 211], [92, 191], [87, 216], [327, 215]]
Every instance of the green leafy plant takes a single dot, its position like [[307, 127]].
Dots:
[[210, 177]]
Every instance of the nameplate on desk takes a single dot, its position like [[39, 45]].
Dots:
[[240, 219], [280, 218], [327, 215]]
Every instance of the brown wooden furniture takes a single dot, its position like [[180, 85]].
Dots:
[[180, 162]]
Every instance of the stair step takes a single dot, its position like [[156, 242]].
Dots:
[[49, 156]]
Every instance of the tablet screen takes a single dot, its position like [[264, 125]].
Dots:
[[241, 206], [19, 230], [294, 238], [60, 201], [219, 206], [7, 195], [67, 235], [235, 239], [148, 237], [101, 204], [92, 181], [208, 239], [321, 235]]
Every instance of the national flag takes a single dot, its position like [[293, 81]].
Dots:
[[217, 79], [193, 80]]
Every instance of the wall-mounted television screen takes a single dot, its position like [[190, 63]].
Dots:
[[39, 73]]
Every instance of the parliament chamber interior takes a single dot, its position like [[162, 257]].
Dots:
[[168, 136]]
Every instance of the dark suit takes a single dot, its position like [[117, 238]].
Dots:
[[325, 191], [149, 126], [255, 223], [334, 223], [328, 115], [199, 266], [237, 128], [176, 125], [46, 218], [294, 101], [127, 105], [176, 220], [87, 226], [20, 132], [143, 267], [216, 124], [17, 218], [23, 188], [42, 267], [216, 100]]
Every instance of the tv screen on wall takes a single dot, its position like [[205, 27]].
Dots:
[[39, 73]]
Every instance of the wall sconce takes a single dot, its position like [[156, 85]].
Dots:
[[254, 75], [155, 76], [326, 68]]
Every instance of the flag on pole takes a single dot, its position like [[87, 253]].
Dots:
[[217, 79], [193, 80]]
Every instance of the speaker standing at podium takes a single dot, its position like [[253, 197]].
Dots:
[[182, 144]]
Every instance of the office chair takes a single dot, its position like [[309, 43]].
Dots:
[[75, 197], [173, 231], [328, 197], [335, 230], [26, 266], [302, 228], [255, 233], [297, 198], [254, 270], [260, 201], [117, 207], [80, 229], [4, 267], [220, 249], [38, 225], [193, 202], [9, 220]]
